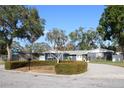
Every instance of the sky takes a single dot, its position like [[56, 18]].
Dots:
[[69, 17]]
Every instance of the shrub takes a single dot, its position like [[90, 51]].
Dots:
[[17, 64], [69, 68], [64, 67], [13, 65]]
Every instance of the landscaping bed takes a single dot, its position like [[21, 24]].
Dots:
[[38, 69], [18, 64], [64, 67]]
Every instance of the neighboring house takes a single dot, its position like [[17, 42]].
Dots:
[[100, 53], [77, 55], [119, 56]]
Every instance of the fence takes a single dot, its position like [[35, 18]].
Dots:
[[19, 57]]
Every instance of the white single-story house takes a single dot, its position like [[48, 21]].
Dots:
[[64, 55], [77, 55]]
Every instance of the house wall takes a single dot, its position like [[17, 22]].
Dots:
[[79, 58], [99, 55], [117, 58], [108, 55], [73, 57], [105, 55], [76, 56], [69, 57], [48, 56], [42, 57], [91, 56]]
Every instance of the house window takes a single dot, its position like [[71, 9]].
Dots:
[[49, 56]]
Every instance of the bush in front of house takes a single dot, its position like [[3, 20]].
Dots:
[[69, 68], [15, 64], [64, 67], [18, 64]]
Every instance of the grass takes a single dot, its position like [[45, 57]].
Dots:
[[118, 63]]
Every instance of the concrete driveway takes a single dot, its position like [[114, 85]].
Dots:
[[98, 75]]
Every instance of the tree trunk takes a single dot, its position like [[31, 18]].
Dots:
[[57, 60], [123, 52], [9, 52]]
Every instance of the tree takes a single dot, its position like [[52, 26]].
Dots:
[[3, 49], [43, 46], [70, 46], [111, 24], [58, 40], [84, 39], [16, 47], [37, 47], [89, 39], [19, 22]]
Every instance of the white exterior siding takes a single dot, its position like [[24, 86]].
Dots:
[[99, 55], [117, 58], [42, 57], [80, 55], [79, 58]]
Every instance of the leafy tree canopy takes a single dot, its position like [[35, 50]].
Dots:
[[84, 39], [19, 22], [111, 24], [57, 38]]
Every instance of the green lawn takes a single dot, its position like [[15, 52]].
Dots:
[[121, 64]]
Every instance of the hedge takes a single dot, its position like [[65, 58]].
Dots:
[[13, 65], [17, 64], [71, 68], [64, 67]]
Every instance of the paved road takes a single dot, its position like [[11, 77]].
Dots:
[[98, 75]]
